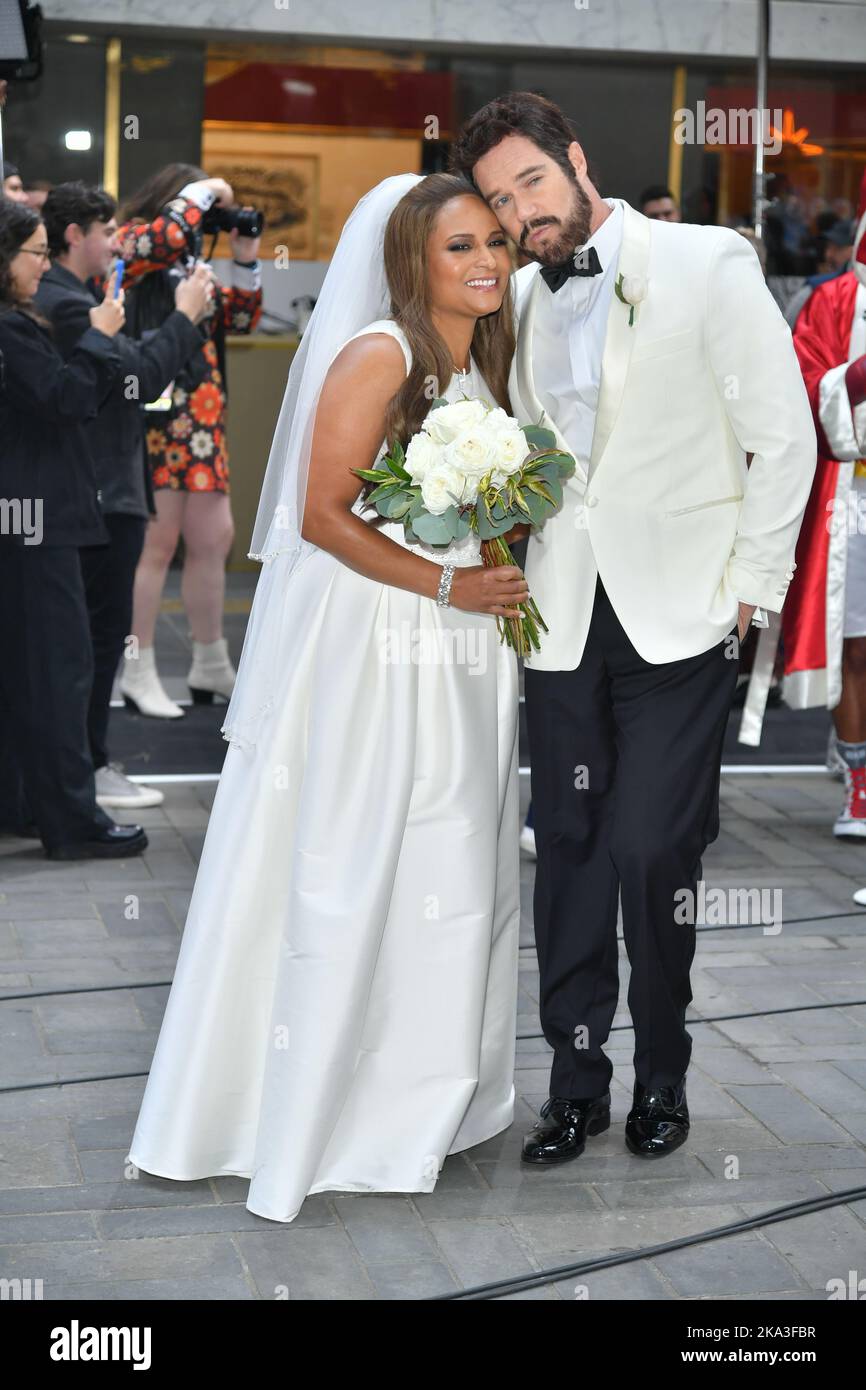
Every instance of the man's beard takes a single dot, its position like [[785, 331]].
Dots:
[[569, 233]]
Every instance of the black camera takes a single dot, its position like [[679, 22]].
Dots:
[[249, 221]]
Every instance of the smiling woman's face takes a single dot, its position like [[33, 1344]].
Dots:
[[468, 264], [26, 268]]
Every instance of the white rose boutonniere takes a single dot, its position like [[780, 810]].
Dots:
[[631, 289]]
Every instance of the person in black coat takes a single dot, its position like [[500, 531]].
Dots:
[[48, 510], [82, 239]]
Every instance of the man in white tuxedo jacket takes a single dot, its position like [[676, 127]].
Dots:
[[659, 359]]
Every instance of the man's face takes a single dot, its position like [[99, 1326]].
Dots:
[[546, 213], [100, 247], [91, 252], [662, 210], [837, 257], [13, 189]]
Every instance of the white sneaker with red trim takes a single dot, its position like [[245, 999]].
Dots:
[[851, 824]]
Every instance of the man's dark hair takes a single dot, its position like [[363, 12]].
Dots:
[[652, 195], [74, 202], [518, 113]]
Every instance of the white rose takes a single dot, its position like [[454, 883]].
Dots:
[[442, 488], [472, 452], [634, 288], [500, 421], [448, 421], [510, 449], [421, 455], [469, 494]]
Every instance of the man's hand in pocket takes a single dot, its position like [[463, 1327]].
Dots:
[[745, 617]]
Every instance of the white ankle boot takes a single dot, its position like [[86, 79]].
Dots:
[[211, 672], [143, 690]]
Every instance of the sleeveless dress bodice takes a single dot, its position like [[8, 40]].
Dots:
[[466, 551]]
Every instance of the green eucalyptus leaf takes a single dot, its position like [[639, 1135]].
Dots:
[[417, 506], [435, 530], [379, 493], [538, 437], [541, 490], [487, 528], [520, 501], [536, 507], [395, 505]]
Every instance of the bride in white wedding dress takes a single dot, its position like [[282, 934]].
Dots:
[[343, 1010]]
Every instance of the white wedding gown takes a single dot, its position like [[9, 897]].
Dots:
[[343, 1009]]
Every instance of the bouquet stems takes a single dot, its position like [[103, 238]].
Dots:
[[520, 633]]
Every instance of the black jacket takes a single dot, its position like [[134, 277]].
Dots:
[[44, 453], [116, 436]]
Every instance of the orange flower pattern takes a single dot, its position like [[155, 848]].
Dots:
[[187, 447]]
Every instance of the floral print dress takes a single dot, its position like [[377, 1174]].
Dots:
[[187, 448]]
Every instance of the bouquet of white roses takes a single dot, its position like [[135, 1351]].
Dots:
[[473, 468]]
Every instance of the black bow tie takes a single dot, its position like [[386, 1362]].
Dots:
[[584, 262]]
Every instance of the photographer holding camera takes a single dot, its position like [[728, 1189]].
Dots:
[[161, 241]]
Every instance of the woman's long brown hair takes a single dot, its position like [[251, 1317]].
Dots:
[[149, 200], [406, 240]]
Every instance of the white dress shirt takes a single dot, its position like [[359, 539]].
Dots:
[[570, 329], [568, 345]]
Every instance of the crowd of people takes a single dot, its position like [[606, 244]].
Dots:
[[112, 416]]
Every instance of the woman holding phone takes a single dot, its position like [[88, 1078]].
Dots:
[[48, 484]]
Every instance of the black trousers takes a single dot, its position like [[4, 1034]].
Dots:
[[626, 760], [109, 574], [46, 671]]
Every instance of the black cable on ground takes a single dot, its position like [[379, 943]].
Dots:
[[516, 1283], [728, 1018], [164, 984], [84, 989], [520, 1037]]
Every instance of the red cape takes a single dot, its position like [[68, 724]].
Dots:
[[821, 339]]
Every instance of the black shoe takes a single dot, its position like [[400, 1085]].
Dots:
[[570, 1121], [105, 842], [658, 1121]]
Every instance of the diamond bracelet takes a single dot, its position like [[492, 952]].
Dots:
[[443, 597]]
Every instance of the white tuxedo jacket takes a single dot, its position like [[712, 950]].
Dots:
[[665, 509]]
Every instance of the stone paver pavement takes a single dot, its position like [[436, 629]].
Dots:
[[778, 1103]]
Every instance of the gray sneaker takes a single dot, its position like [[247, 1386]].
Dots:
[[113, 789]]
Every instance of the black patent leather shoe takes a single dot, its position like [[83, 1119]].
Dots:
[[568, 1124], [658, 1121], [105, 842]]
